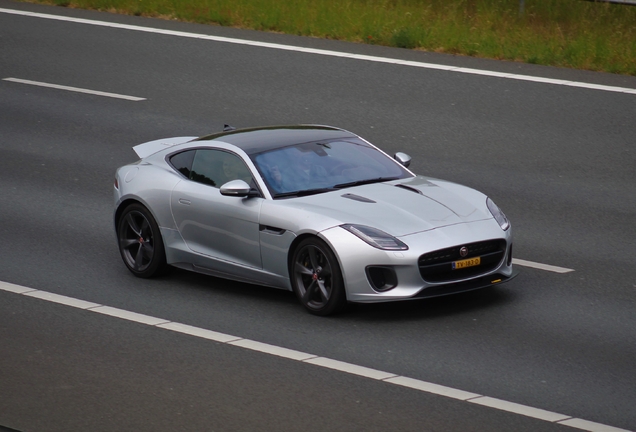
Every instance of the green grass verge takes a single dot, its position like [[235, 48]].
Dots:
[[570, 33]]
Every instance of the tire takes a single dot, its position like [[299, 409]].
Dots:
[[317, 278], [140, 242]]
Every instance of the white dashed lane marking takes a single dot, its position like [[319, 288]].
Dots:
[[540, 266], [73, 89]]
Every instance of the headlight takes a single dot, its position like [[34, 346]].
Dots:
[[500, 217], [375, 237]]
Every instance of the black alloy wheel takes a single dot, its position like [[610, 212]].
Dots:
[[140, 242], [317, 279]]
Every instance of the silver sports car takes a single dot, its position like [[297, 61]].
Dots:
[[313, 209]]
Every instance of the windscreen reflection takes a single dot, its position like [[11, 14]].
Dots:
[[322, 166]]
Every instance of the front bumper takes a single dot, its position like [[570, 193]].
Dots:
[[469, 285], [355, 256]]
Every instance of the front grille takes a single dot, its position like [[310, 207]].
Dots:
[[437, 266]]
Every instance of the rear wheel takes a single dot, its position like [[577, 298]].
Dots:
[[140, 242], [317, 279]]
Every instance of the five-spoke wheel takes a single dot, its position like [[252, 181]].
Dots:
[[140, 242], [316, 277]]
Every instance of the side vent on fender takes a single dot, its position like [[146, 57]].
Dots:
[[271, 230]]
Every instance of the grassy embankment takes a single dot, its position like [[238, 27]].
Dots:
[[569, 33]]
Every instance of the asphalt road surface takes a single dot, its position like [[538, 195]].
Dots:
[[556, 152]]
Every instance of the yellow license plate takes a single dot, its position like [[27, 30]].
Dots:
[[466, 263]]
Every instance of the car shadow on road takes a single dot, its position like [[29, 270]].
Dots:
[[433, 308], [268, 300], [228, 288]]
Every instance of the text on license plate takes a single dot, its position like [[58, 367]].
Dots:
[[466, 263]]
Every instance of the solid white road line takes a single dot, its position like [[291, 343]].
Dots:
[[540, 266], [74, 89], [198, 332], [589, 426], [519, 409], [337, 365], [271, 349], [56, 298], [350, 368], [432, 388], [325, 52], [128, 316]]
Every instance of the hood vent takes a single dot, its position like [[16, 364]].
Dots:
[[409, 188], [357, 198]]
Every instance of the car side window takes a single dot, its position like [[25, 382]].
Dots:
[[217, 167], [182, 162]]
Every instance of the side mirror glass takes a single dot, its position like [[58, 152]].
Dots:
[[403, 158]]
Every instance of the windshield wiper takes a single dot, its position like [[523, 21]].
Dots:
[[363, 182], [301, 193]]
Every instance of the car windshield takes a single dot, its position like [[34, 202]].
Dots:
[[317, 167]]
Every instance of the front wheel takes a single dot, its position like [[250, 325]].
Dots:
[[140, 242], [316, 278]]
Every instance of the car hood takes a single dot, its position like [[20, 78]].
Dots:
[[398, 208]]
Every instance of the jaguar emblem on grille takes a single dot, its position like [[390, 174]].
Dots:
[[463, 251]]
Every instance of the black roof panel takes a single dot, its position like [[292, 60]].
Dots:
[[256, 140]]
